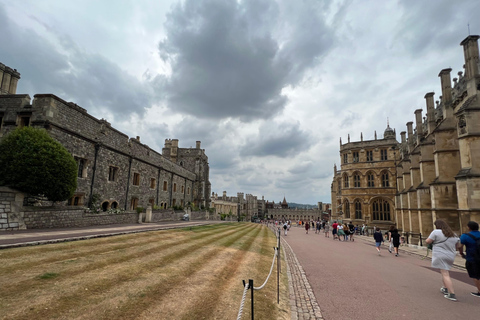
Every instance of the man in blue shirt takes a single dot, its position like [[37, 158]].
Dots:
[[473, 267]]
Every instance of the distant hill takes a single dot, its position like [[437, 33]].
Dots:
[[302, 206]]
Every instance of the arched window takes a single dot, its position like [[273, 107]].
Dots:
[[356, 180], [114, 205], [381, 210], [105, 206], [345, 181], [346, 208], [385, 181], [370, 180], [358, 209]]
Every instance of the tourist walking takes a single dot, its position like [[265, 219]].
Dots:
[[285, 227], [444, 243], [395, 237], [307, 226], [377, 235], [471, 241], [326, 229], [334, 229], [340, 232], [346, 231], [390, 245], [351, 228]]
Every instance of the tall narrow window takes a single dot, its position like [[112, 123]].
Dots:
[[356, 180], [383, 154], [133, 203], [346, 206], [188, 190], [136, 179], [174, 187], [1, 121], [369, 155], [358, 209], [370, 180], [112, 173], [81, 167], [345, 158], [385, 180], [345, 181], [356, 157], [152, 183], [183, 189], [165, 185]]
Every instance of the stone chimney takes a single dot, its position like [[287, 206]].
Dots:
[[198, 144], [224, 197], [410, 141], [8, 80], [402, 135], [446, 96], [430, 112], [418, 120], [470, 51]]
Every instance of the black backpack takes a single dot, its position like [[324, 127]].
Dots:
[[476, 253]]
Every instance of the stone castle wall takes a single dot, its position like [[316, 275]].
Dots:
[[15, 216], [101, 147]]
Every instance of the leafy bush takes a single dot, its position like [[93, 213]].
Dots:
[[139, 209], [33, 162]]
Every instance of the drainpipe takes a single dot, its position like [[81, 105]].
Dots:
[[128, 181], [158, 185], [97, 147], [171, 189]]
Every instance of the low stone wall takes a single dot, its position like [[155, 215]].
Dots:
[[66, 217], [11, 203], [15, 216]]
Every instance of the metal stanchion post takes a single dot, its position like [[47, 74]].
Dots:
[[250, 283]]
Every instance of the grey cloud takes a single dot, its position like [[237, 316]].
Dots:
[[301, 168], [427, 26], [90, 80], [278, 139], [349, 119], [227, 63]]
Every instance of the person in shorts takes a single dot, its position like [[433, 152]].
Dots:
[[377, 235], [326, 229], [473, 267], [334, 230]]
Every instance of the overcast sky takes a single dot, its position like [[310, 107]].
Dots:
[[268, 87]]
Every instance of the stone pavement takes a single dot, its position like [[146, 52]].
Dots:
[[303, 303]]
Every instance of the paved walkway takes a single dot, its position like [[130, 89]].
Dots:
[[303, 302]]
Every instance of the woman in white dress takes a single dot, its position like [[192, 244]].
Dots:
[[443, 254]]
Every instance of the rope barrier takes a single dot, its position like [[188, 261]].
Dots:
[[271, 268], [247, 285], [243, 302]]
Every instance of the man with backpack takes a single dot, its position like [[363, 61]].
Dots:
[[471, 240]]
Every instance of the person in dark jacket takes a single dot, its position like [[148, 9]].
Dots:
[[395, 236], [377, 235]]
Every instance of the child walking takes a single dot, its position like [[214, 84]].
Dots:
[[377, 235]]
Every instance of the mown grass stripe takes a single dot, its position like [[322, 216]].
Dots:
[[74, 300]]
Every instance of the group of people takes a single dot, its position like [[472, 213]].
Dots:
[[445, 244], [393, 237], [444, 241]]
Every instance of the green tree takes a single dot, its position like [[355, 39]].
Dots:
[[33, 162]]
